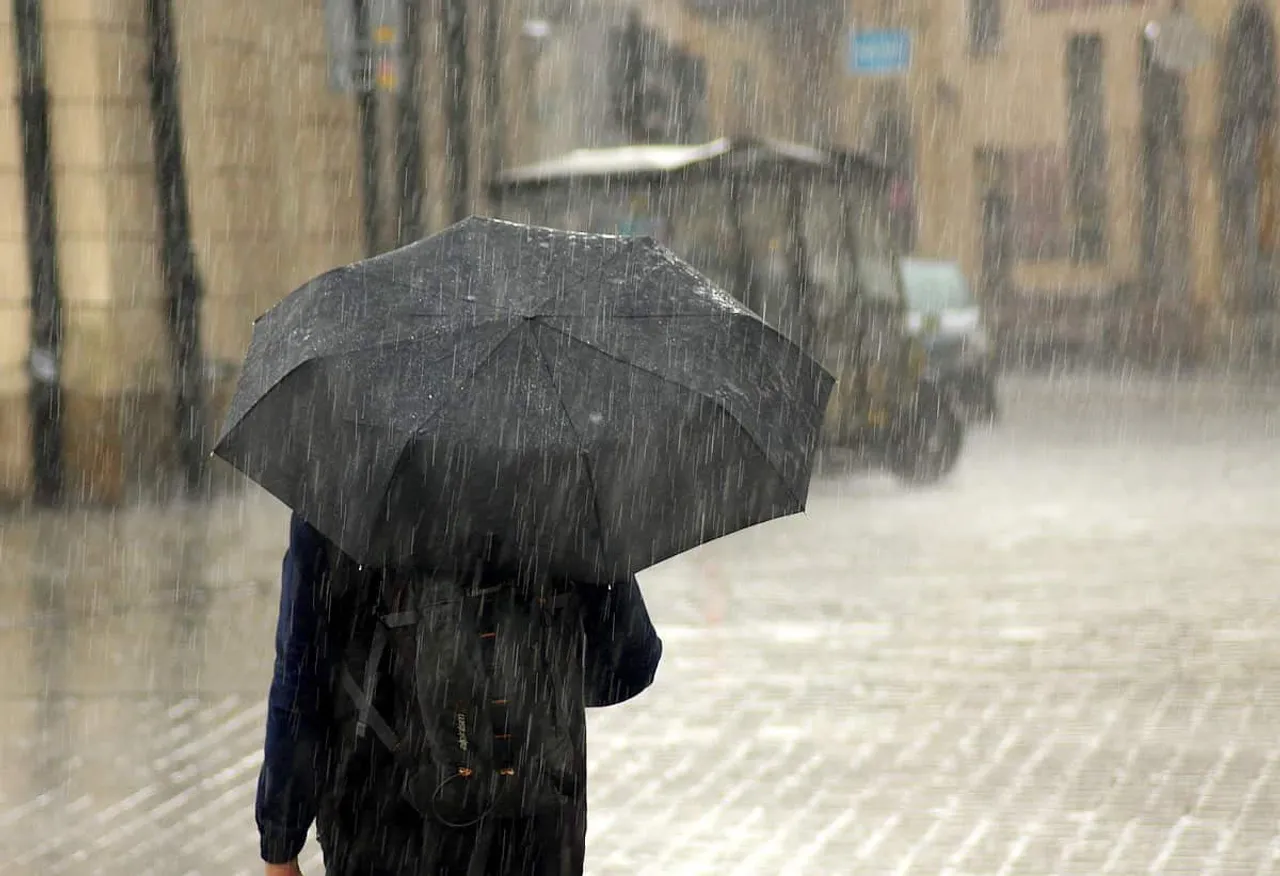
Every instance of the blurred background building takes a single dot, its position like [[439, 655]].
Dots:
[[273, 162], [1103, 169]]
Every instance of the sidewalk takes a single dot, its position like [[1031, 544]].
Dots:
[[1064, 660]]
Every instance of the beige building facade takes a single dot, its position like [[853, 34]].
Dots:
[[1096, 193], [1099, 199], [1094, 197], [273, 169]]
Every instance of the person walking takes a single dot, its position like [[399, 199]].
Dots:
[[485, 435], [358, 760]]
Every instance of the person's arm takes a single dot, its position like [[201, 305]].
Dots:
[[289, 869], [286, 800], [623, 649]]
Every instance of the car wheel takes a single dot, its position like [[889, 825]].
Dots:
[[926, 447]]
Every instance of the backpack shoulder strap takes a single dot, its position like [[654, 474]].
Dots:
[[393, 613], [367, 717], [383, 588]]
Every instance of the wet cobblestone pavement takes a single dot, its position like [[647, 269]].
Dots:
[[1065, 660]]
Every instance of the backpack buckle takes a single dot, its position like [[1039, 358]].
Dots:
[[556, 600], [476, 588], [398, 619]]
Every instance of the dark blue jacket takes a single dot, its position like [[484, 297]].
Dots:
[[623, 651]]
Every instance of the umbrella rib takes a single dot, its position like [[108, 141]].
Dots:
[[754, 440], [625, 249], [258, 401], [658, 374], [582, 445], [280, 306], [721, 314], [409, 286], [455, 385], [278, 311], [315, 357], [395, 342], [795, 497]]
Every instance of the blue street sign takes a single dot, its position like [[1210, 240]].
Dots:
[[879, 52]]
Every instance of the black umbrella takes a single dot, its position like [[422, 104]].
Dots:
[[590, 400]]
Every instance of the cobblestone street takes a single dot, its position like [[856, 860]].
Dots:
[[1066, 659]]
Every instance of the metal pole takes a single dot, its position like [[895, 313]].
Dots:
[[457, 116], [629, 98], [743, 275], [177, 253], [493, 93], [44, 359], [366, 108], [801, 306], [409, 131]]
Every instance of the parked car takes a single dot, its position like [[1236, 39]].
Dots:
[[948, 322]]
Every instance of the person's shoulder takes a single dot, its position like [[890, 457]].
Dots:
[[305, 541], [300, 528]]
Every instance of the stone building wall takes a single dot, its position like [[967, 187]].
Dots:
[[272, 160]]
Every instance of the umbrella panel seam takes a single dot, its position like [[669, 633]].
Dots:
[[623, 250], [697, 392], [316, 357], [455, 386], [591, 476], [226, 436]]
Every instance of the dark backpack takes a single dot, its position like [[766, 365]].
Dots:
[[469, 693]]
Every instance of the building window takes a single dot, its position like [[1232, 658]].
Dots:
[[658, 91], [1087, 147], [992, 173], [893, 144], [1038, 205], [1079, 5], [984, 27]]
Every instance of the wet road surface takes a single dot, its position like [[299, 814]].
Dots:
[[1064, 660]]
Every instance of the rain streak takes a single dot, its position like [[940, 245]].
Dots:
[[640, 437]]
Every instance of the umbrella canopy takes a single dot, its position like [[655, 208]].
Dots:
[[590, 401]]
